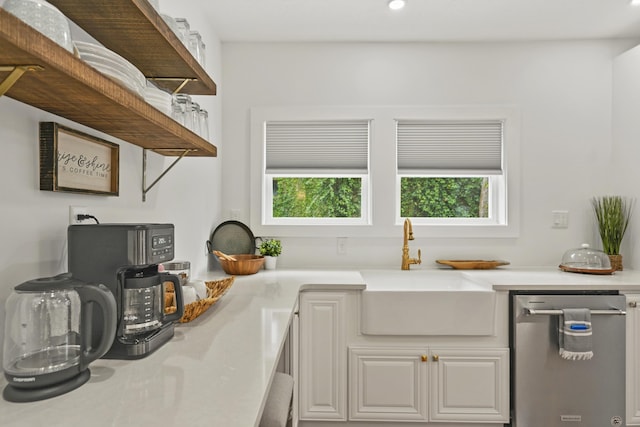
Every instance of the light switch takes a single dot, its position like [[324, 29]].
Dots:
[[560, 219]]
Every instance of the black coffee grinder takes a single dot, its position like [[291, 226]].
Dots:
[[125, 258]]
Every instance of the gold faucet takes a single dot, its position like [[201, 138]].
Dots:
[[408, 235]]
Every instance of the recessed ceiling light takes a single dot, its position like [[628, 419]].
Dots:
[[399, 4], [635, 2]]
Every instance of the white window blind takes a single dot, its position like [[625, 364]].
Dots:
[[459, 147], [318, 146]]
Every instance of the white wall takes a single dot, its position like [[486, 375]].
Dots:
[[625, 175], [33, 223], [563, 90]]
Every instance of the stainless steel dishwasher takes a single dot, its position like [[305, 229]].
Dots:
[[549, 391]]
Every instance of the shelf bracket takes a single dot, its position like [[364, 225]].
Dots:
[[15, 72], [144, 172], [175, 79]]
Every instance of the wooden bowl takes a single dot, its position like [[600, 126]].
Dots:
[[244, 264]]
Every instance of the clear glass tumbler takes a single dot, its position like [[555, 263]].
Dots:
[[195, 118], [202, 51], [182, 110], [195, 45], [184, 29], [204, 124]]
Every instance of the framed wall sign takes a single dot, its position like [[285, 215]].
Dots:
[[73, 161]]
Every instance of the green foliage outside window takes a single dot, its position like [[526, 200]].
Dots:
[[444, 197], [317, 197], [421, 197]]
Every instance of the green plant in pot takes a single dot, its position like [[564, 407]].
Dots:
[[271, 249], [613, 214]]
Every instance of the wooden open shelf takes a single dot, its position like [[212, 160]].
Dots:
[[68, 87], [134, 30]]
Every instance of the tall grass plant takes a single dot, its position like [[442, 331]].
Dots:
[[613, 214]]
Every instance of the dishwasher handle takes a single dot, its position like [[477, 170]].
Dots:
[[535, 312]]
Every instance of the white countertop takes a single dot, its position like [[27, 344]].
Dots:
[[550, 279], [217, 369], [214, 372]]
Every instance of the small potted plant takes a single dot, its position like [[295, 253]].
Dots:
[[271, 249], [613, 214]]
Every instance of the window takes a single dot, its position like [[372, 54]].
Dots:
[[316, 172], [450, 171], [358, 171]]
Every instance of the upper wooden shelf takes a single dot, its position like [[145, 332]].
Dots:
[[134, 30], [68, 87]]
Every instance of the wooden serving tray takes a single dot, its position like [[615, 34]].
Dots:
[[471, 264], [587, 270]]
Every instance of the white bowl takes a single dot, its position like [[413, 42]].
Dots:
[[98, 53], [44, 17], [160, 99], [113, 65]]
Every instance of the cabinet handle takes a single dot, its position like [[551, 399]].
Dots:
[[435, 357], [424, 358], [633, 304]]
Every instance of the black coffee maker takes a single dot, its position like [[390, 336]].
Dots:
[[125, 258]]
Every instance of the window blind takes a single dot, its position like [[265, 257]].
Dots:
[[321, 146], [460, 147]]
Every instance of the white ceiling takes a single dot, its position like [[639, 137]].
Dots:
[[420, 20]]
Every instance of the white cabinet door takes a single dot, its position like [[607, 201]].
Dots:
[[388, 384], [420, 384], [633, 360], [323, 356], [469, 385]]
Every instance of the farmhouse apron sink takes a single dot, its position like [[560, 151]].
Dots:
[[426, 302]]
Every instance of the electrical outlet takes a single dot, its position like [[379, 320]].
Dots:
[[342, 245], [74, 211]]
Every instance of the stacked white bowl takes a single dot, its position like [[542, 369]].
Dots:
[[112, 65], [158, 98], [44, 17]]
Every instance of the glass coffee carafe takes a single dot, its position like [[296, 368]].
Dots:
[[143, 301], [48, 335]]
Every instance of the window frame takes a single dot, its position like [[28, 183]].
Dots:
[[383, 179], [487, 161]]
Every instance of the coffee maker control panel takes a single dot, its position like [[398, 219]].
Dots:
[[162, 246], [151, 244]]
